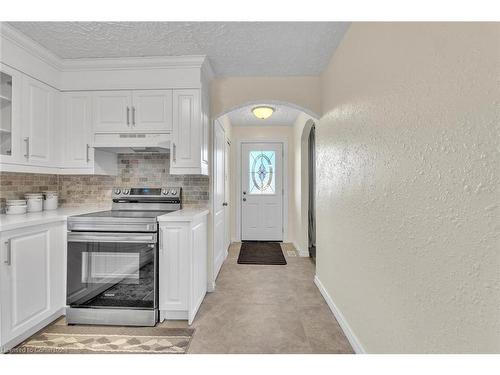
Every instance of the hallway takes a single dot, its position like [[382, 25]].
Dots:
[[266, 309]]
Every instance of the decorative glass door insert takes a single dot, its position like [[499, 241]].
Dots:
[[262, 169]]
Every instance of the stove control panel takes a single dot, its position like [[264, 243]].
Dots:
[[147, 192]]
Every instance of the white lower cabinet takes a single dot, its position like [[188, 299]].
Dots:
[[182, 268], [32, 280]]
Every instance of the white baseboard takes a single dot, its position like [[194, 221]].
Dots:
[[211, 286], [211, 283], [349, 333], [301, 252]]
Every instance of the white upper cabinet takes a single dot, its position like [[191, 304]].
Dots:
[[186, 156], [77, 128], [53, 111], [152, 110], [112, 111], [133, 111], [38, 121], [186, 128]]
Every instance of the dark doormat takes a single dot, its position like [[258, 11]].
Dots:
[[256, 252]]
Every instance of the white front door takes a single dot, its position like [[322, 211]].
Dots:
[[262, 191]]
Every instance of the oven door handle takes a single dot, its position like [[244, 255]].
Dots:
[[112, 237]]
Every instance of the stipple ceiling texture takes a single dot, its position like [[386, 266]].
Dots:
[[234, 48], [282, 116]]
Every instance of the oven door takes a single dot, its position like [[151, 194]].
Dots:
[[112, 270]]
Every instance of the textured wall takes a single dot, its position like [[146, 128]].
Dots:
[[138, 170], [408, 174]]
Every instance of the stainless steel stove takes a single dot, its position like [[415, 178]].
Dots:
[[112, 263]]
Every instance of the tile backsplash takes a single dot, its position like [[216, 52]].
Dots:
[[136, 170]]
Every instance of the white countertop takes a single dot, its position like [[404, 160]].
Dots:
[[10, 222], [186, 214]]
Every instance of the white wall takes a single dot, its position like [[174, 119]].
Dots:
[[257, 133], [408, 175], [300, 204]]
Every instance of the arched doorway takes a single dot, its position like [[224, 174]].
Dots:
[[230, 132]]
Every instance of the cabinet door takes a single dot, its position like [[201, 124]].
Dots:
[[25, 282], [10, 111], [38, 122], [173, 283], [186, 148], [112, 111], [32, 279], [77, 127], [199, 244], [152, 110]]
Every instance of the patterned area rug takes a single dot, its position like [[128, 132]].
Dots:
[[95, 340]]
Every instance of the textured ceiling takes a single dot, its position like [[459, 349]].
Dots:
[[234, 48], [282, 116]]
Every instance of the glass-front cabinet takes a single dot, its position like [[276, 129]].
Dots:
[[6, 114], [10, 89]]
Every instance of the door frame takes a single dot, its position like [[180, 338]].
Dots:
[[284, 203]]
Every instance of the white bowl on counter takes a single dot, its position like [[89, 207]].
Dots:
[[16, 206]]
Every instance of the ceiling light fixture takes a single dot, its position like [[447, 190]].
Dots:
[[263, 112]]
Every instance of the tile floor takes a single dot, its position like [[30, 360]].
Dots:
[[266, 309]]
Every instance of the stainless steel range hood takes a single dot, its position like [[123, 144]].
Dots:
[[126, 143]]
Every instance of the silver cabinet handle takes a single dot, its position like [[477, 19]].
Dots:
[[149, 238], [8, 260], [173, 152], [27, 154], [160, 240], [133, 116], [128, 115], [88, 148]]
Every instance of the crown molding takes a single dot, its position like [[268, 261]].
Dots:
[[30, 46], [123, 63], [114, 63]]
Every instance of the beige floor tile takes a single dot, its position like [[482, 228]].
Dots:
[[267, 309]]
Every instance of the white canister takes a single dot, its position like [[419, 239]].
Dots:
[[50, 200], [34, 201], [15, 206]]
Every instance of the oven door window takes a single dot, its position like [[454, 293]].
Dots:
[[111, 274]]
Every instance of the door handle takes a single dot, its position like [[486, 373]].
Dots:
[[8, 260], [27, 154], [128, 115], [244, 199], [133, 116], [173, 152], [224, 204]]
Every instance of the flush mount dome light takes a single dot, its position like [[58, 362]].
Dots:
[[263, 112]]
